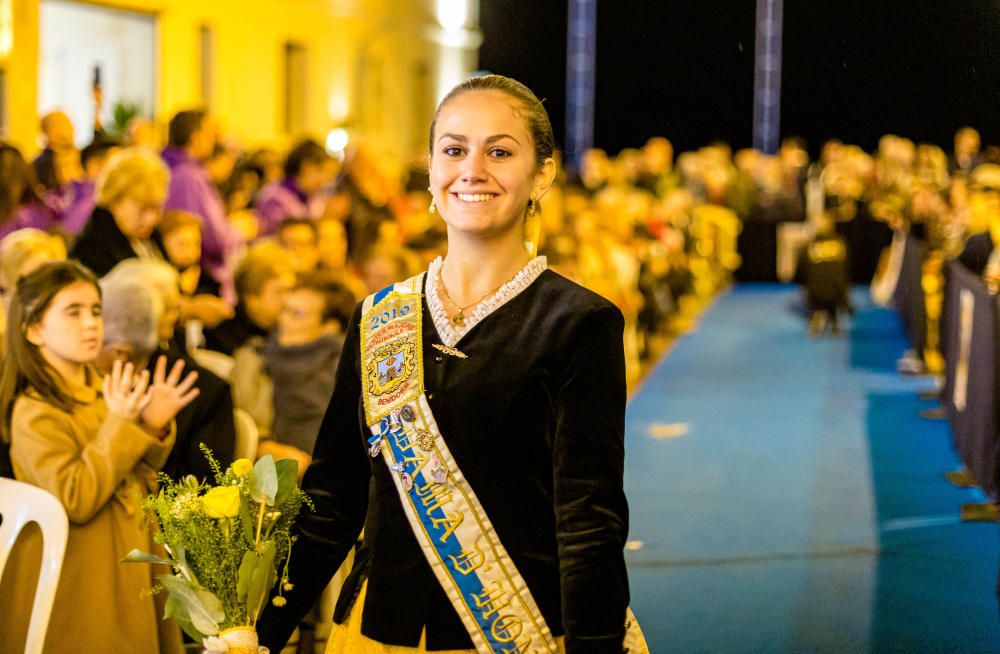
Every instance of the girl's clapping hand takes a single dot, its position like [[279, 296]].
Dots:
[[168, 395], [125, 393]]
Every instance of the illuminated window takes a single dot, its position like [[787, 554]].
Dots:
[[206, 42], [296, 88]]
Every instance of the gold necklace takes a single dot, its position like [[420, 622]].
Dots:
[[459, 318]]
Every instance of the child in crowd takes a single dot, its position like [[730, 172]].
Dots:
[[262, 279], [292, 373], [96, 447], [825, 274], [200, 304]]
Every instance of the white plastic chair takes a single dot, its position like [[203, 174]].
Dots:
[[21, 504], [216, 362], [247, 435]]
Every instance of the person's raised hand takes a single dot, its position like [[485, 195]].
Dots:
[[125, 393], [210, 310], [168, 395]]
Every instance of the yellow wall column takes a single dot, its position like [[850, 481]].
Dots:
[[21, 67]]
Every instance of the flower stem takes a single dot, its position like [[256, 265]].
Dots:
[[260, 521]]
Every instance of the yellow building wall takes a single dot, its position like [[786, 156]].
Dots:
[[354, 46]]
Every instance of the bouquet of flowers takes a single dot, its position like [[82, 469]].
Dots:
[[226, 544]]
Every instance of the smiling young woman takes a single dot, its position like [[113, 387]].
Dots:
[[486, 469]]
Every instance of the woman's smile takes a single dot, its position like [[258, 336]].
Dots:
[[474, 198]]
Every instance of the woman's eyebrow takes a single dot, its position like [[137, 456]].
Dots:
[[498, 137], [488, 139]]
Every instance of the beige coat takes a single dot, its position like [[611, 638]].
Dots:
[[100, 466]]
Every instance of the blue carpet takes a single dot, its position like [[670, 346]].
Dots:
[[802, 509]]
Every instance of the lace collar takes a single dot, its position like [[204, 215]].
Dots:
[[451, 333]]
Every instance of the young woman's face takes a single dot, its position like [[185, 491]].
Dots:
[[482, 168], [71, 330]]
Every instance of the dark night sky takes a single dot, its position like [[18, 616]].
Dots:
[[852, 69]]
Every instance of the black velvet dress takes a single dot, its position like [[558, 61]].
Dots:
[[534, 417]]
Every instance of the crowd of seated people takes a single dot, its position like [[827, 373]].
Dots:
[[246, 266]]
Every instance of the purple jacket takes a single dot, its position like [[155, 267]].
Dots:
[[191, 190], [284, 199], [75, 202], [39, 216]]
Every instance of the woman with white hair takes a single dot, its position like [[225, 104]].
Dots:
[[142, 339], [131, 309]]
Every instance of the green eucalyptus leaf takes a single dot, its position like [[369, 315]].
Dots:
[[175, 609], [288, 478], [203, 606], [264, 481], [248, 565], [261, 582], [137, 556]]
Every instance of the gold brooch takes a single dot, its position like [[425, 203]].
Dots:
[[450, 351]]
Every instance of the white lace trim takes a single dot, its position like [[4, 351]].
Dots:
[[451, 333]]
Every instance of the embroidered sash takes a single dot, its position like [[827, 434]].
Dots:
[[454, 532]]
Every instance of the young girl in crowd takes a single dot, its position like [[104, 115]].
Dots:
[[96, 446]]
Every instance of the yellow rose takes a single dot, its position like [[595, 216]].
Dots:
[[222, 502], [242, 467]]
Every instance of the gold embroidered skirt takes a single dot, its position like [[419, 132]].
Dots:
[[347, 638]]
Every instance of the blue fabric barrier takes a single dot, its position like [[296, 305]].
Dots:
[[908, 298], [969, 342]]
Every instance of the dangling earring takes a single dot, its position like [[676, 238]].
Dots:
[[532, 227], [432, 208]]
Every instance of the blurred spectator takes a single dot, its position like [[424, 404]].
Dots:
[[130, 197], [200, 302], [49, 165], [262, 280], [180, 232], [270, 163], [209, 417], [823, 271], [299, 237], [984, 224], [332, 246], [308, 171], [220, 165], [293, 371], [140, 131], [191, 141], [240, 192], [383, 267], [23, 251], [77, 198], [21, 203], [369, 195], [965, 157], [20, 253]]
